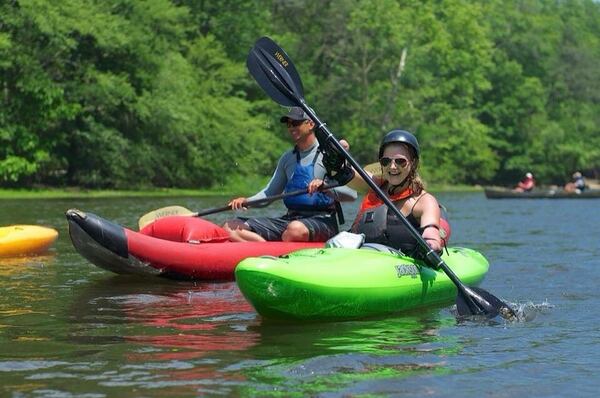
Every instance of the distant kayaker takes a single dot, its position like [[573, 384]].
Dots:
[[399, 155], [526, 184], [577, 183], [309, 217]]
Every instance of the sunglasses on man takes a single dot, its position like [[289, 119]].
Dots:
[[294, 123], [399, 162]]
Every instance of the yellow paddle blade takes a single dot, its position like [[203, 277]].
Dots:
[[373, 168], [154, 215]]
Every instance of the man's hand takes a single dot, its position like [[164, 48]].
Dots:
[[315, 185], [238, 203]]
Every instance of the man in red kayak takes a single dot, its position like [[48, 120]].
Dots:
[[309, 217]]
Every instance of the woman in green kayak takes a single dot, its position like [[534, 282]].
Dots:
[[399, 155]]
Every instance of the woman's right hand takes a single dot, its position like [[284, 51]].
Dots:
[[238, 203], [344, 144]]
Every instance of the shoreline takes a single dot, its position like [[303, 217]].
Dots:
[[80, 193]]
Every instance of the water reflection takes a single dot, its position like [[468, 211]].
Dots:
[[181, 321], [197, 335], [22, 264], [191, 339], [348, 354], [18, 280], [169, 334]]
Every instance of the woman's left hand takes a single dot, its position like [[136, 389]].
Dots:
[[433, 239]]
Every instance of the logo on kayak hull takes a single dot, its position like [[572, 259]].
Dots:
[[407, 270]]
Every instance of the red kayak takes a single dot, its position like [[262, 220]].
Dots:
[[174, 247]]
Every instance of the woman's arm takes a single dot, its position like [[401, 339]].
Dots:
[[357, 183], [427, 211]]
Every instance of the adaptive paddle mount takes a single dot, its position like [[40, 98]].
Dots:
[[276, 74]]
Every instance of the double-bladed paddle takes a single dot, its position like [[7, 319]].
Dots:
[[154, 215], [274, 71]]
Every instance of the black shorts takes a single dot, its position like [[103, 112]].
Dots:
[[320, 227]]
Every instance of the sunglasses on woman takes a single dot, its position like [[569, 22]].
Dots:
[[400, 162]]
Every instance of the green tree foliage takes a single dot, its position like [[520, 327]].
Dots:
[[545, 87], [447, 63], [156, 93], [121, 93]]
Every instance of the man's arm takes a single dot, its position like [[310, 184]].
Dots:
[[276, 184]]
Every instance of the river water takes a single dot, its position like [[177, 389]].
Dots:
[[70, 329]]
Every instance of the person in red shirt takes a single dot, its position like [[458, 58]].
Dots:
[[526, 184]]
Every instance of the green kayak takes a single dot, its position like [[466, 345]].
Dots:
[[335, 283]]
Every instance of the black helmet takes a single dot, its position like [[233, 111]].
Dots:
[[400, 136]]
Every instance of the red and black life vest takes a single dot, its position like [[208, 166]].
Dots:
[[382, 226]]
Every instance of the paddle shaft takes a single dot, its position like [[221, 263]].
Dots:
[[255, 202], [276, 74]]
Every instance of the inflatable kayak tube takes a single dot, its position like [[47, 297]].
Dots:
[[337, 283], [22, 240], [175, 247]]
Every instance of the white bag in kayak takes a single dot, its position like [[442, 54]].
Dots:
[[346, 240]]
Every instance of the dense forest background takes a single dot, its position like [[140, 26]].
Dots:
[[141, 93]]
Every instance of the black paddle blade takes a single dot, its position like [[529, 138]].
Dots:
[[481, 302], [275, 73]]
